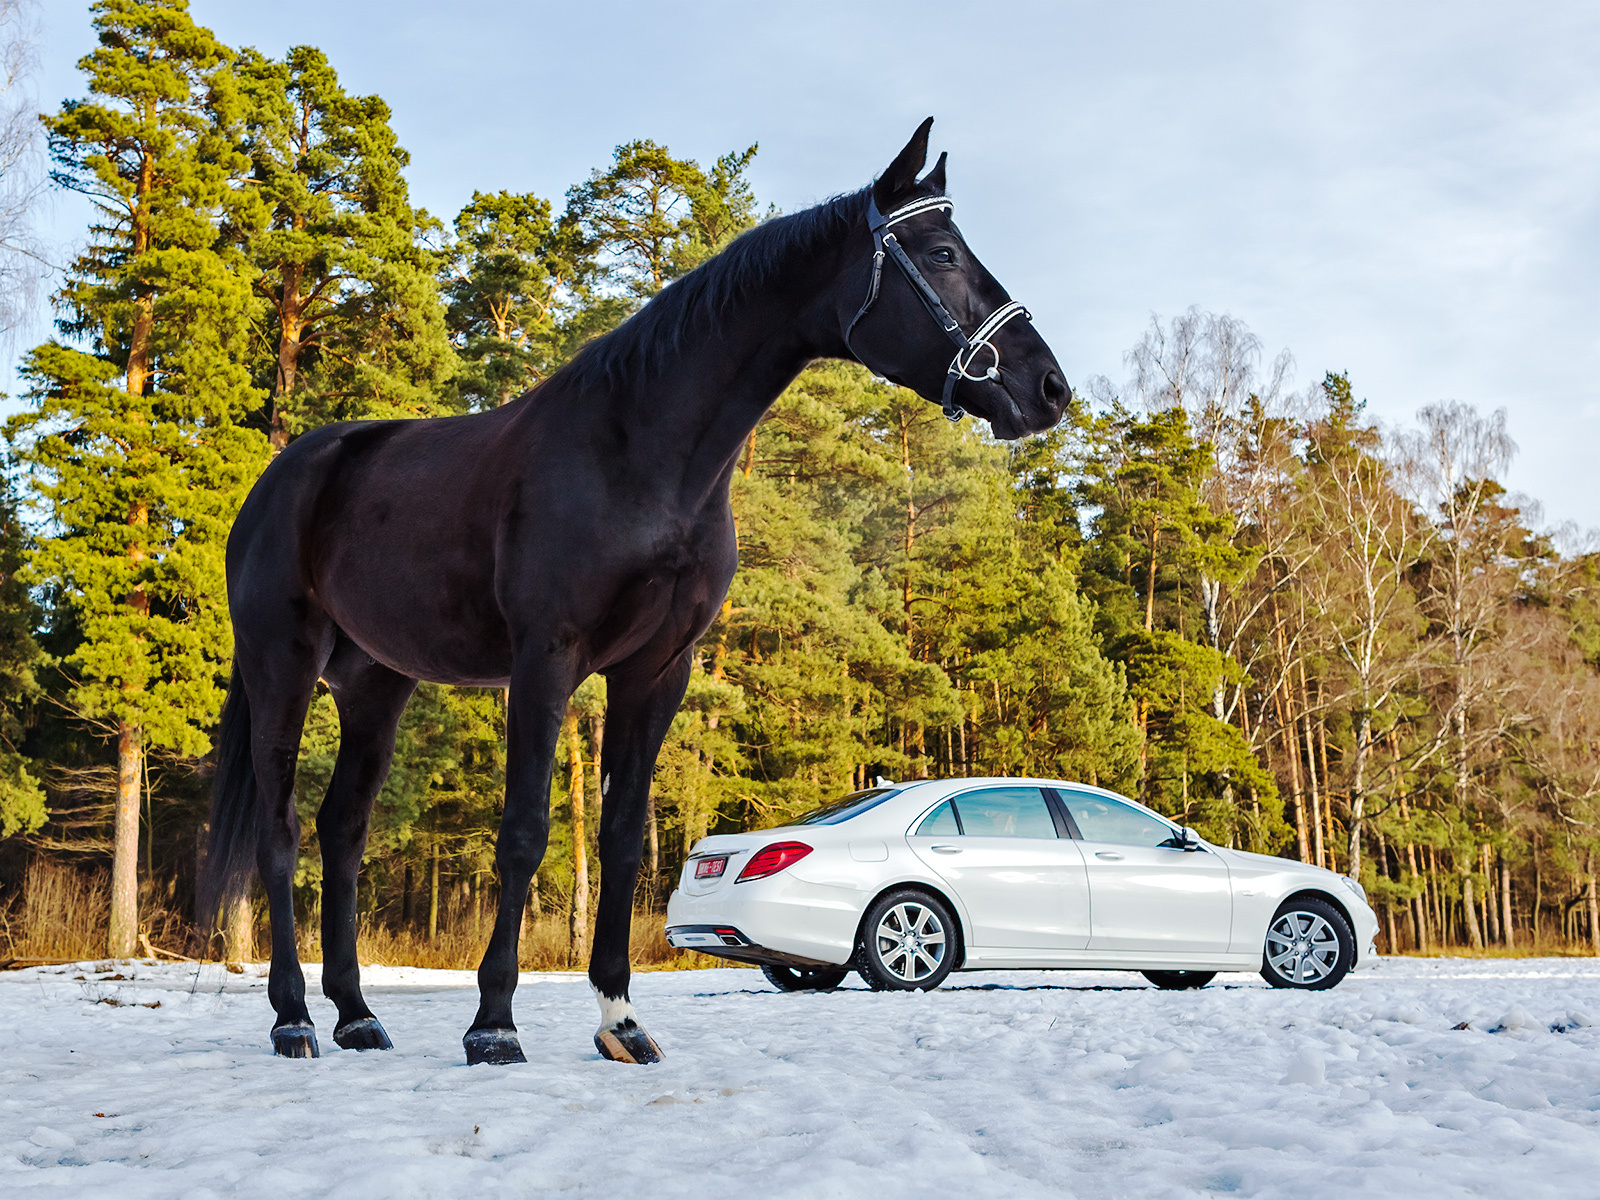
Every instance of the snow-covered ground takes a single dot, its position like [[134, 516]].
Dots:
[[1001, 1084]]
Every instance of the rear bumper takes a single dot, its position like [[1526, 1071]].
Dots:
[[724, 941], [779, 920]]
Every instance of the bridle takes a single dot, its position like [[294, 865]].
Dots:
[[967, 348]]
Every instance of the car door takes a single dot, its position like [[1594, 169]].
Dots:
[[1002, 853], [1143, 895]]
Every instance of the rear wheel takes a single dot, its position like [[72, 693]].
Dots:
[[805, 979], [908, 942], [1309, 945], [1179, 981]]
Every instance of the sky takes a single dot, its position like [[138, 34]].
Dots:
[[1406, 192]]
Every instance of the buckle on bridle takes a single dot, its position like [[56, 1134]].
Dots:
[[967, 349]]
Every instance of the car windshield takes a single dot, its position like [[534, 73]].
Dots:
[[852, 805]]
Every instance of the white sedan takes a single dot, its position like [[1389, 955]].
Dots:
[[906, 883]]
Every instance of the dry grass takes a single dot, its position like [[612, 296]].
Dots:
[[1526, 947], [544, 946], [61, 913]]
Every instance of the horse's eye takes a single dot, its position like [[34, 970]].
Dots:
[[943, 256]]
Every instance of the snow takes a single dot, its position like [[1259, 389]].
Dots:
[[999, 1084]]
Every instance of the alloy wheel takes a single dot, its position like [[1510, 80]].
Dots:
[[910, 940], [1302, 947]]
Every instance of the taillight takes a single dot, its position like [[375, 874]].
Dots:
[[769, 860]]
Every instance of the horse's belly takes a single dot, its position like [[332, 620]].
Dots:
[[429, 624]]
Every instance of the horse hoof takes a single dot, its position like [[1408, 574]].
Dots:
[[627, 1042], [494, 1046], [297, 1039], [364, 1033]]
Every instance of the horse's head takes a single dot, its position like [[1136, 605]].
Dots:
[[932, 319]]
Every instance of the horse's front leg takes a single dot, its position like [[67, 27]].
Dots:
[[638, 714], [541, 683]]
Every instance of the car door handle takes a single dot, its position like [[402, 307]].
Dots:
[[1108, 855], [945, 849]]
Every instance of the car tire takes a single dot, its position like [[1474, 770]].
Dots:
[[1309, 945], [804, 979], [1179, 981], [909, 942]]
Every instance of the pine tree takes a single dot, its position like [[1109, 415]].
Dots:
[[357, 327], [652, 217], [518, 295], [22, 805], [137, 457]]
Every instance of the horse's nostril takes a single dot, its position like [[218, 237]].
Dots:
[[1054, 389]]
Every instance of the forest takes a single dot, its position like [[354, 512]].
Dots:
[[1247, 604]]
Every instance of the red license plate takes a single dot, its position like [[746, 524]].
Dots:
[[711, 868]]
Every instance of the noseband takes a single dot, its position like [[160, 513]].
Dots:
[[967, 348]]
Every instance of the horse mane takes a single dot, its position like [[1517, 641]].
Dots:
[[638, 349]]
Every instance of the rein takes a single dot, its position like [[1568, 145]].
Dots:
[[967, 348]]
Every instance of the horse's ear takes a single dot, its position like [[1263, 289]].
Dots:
[[901, 177], [933, 182]]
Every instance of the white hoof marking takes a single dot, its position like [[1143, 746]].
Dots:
[[613, 1010]]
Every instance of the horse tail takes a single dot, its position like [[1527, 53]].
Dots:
[[230, 861]]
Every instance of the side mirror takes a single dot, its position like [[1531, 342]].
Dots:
[[1185, 839]]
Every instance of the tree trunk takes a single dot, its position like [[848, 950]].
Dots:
[[1286, 724], [291, 319], [1327, 794], [124, 932], [1358, 791], [1491, 894], [1419, 911], [1319, 849], [578, 924], [1470, 910], [1594, 912], [1150, 580], [1505, 904], [124, 923], [433, 895], [652, 844], [239, 931], [911, 526]]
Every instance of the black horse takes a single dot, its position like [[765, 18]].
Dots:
[[582, 528]]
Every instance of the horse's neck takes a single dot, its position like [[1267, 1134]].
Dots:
[[701, 409]]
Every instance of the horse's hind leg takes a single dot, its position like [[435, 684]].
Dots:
[[279, 683], [370, 698]]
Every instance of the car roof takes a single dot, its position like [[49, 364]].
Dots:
[[916, 793]]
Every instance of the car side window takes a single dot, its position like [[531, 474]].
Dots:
[[941, 822], [1018, 812], [1101, 819]]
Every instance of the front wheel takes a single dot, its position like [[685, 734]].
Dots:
[[1179, 981], [805, 979], [1309, 945], [908, 941]]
